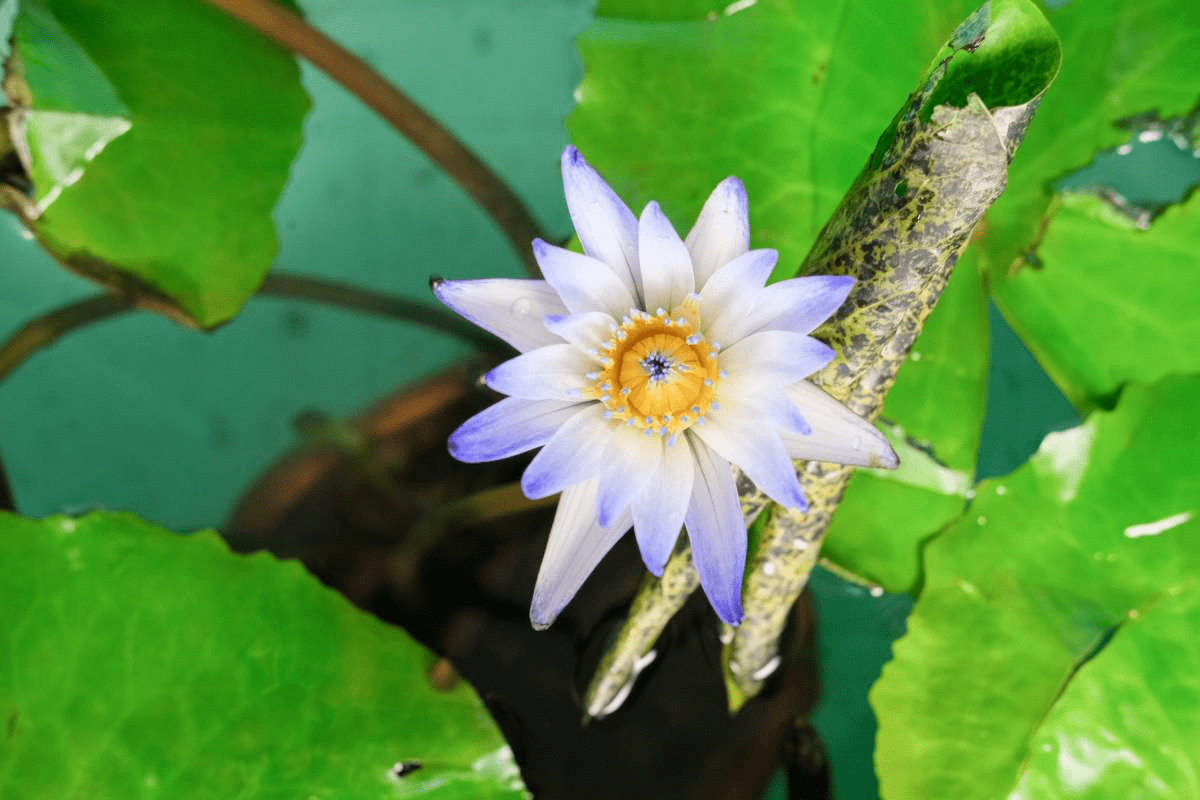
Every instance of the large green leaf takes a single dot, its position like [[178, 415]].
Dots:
[[677, 95], [158, 136], [139, 663], [1120, 58], [1096, 532], [1109, 302]]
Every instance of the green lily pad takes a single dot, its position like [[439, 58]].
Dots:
[[155, 168], [1094, 535], [140, 663], [1108, 302], [1121, 58]]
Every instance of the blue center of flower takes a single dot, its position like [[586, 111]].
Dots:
[[659, 366]]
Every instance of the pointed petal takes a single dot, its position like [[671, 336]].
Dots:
[[839, 436], [584, 283], [606, 227], [799, 304], [576, 545], [666, 267], [511, 426], [554, 372], [508, 308], [743, 440], [573, 455], [779, 357], [717, 532], [587, 331], [722, 231], [658, 510], [631, 460], [732, 289]]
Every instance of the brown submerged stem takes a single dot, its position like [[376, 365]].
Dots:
[[485, 187], [42, 332]]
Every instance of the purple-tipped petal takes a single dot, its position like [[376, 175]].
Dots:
[[743, 440], [574, 454], [576, 545], [659, 509], [554, 372], [666, 267], [630, 461], [838, 435], [588, 331], [732, 289], [717, 532], [584, 283], [508, 308], [722, 231], [606, 227], [798, 305], [778, 357], [509, 427]]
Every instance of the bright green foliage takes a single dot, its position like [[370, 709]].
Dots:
[[678, 95], [1097, 532], [139, 663], [159, 137], [1120, 58], [1108, 302]]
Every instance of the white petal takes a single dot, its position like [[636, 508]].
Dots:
[[587, 331], [838, 435], [631, 460], [606, 227], [666, 267], [780, 357], [554, 372], [801, 304], [509, 308], [732, 288], [573, 455], [717, 532], [757, 449], [584, 283], [508, 427], [798, 305], [722, 231], [659, 509], [576, 545]]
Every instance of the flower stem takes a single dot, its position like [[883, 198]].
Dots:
[[38, 334], [493, 195]]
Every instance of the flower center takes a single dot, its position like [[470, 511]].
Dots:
[[657, 373]]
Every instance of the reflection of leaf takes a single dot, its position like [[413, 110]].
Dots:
[[1110, 303], [1095, 532], [156, 168], [137, 662]]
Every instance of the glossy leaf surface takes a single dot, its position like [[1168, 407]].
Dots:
[[156, 169], [1088, 538], [140, 663]]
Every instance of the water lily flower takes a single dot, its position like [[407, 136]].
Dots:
[[647, 368]]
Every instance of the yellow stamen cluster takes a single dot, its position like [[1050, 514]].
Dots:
[[657, 373]]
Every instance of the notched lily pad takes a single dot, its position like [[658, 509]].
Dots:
[[152, 170], [1008, 663], [139, 662]]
